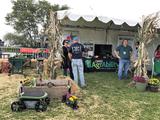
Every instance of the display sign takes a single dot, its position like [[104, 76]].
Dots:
[[88, 49], [92, 64]]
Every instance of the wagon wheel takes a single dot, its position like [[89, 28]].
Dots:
[[17, 106], [41, 106], [22, 105], [47, 100]]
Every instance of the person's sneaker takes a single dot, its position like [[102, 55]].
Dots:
[[119, 78], [126, 78], [84, 86]]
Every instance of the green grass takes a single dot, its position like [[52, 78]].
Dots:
[[104, 98]]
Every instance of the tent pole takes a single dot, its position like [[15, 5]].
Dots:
[[106, 36]]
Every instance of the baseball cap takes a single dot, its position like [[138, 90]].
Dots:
[[75, 38], [65, 41]]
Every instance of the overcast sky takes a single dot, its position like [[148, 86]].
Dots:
[[121, 9]]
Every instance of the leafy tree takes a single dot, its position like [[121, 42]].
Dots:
[[27, 17], [15, 39]]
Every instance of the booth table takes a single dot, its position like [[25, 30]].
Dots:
[[100, 65]]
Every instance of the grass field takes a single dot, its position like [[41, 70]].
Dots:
[[105, 98]]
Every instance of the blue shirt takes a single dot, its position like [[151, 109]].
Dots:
[[124, 52], [76, 50]]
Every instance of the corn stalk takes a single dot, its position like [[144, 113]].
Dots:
[[54, 36], [146, 34]]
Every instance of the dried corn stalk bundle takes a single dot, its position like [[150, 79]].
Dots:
[[54, 36], [146, 34]]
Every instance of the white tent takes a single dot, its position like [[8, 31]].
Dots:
[[101, 30], [97, 29], [90, 18]]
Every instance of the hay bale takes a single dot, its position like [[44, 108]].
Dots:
[[55, 82], [18, 76], [5, 66], [75, 89]]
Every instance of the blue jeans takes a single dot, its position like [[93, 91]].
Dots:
[[123, 65], [77, 68]]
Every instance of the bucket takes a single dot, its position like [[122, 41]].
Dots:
[[154, 88], [141, 86]]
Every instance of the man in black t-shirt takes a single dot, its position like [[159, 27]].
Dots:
[[75, 53]]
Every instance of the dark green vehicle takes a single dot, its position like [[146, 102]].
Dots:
[[37, 100]]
